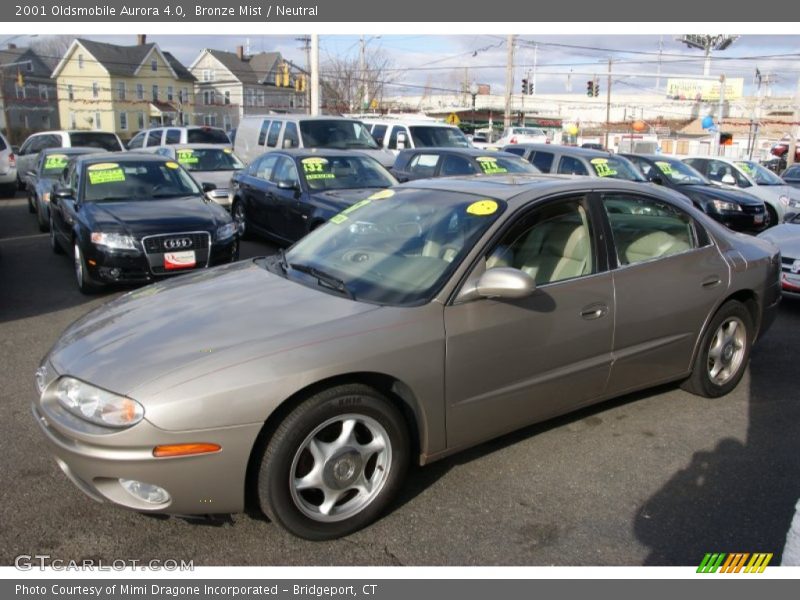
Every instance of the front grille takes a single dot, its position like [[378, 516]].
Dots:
[[752, 210], [788, 261], [158, 244]]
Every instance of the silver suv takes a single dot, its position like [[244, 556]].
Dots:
[[8, 168]]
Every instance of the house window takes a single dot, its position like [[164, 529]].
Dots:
[[121, 90], [95, 90], [20, 89], [250, 99], [170, 93], [208, 97], [25, 122], [154, 65], [185, 118], [184, 95], [210, 120], [155, 93], [261, 98], [73, 122], [80, 61], [139, 91], [140, 120], [227, 97], [123, 121], [43, 93], [208, 75], [97, 122], [70, 92], [46, 122], [226, 122]]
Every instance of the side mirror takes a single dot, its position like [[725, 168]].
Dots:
[[208, 187], [287, 144], [401, 178], [287, 184], [728, 179], [655, 178], [501, 282], [30, 174], [401, 141], [61, 192]]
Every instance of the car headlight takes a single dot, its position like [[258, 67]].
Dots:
[[97, 406], [783, 199], [794, 202], [116, 241], [226, 231], [723, 206], [46, 197]]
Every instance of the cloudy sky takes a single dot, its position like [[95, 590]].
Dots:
[[443, 63]]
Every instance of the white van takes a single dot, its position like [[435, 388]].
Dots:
[[395, 135], [259, 134], [150, 140]]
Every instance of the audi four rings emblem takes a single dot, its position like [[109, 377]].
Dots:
[[177, 243]]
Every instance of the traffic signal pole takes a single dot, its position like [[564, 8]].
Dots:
[[608, 104]]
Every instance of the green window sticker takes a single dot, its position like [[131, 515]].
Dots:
[[339, 219], [665, 167], [314, 165], [187, 157], [55, 161], [106, 176], [601, 167], [356, 206], [489, 165]]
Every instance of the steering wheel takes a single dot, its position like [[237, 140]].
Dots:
[[448, 248]]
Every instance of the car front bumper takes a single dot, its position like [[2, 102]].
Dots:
[[96, 462], [742, 221]]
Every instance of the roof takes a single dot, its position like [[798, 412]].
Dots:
[[462, 151], [251, 69], [73, 150], [118, 157], [14, 55], [125, 61], [574, 150]]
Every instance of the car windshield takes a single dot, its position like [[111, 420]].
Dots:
[[759, 174], [344, 172], [427, 136], [680, 173], [398, 247], [336, 133], [208, 159], [206, 135], [53, 165], [136, 180], [615, 167], [96, 139], [527, 131]]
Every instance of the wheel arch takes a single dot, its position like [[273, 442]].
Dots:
[[746, 297], [395, 390]]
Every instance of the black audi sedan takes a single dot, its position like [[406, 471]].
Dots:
[[736, 210], [134, 218], [285, 194], [422, 163]]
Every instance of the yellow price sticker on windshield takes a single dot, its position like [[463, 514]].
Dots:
[[315, 165], [665, 167], [172, 165], [102, 167], [382, 195], [187, 156], [55, 161], [227, 151], [339, 219], [106, 176], [482, 208], [601, 167], [356, 206]]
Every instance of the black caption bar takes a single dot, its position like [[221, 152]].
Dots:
[[338, 11]]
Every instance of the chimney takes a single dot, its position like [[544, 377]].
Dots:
[[141, 39], [240, 52], [12, 46]]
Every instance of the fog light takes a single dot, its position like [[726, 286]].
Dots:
[[148, 492], [115, 273]]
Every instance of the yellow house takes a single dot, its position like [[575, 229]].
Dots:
[[122, 88]]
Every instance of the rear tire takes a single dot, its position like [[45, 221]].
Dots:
[[334, 463], [723, 353]]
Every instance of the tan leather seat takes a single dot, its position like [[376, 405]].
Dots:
[[555, 251], [653, 245]]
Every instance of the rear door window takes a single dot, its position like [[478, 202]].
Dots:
[[274, 132], [95, 139], [571, 166], [154, 138], [262, 134], [290, 137], [207, 135], [379, 132], [456, 165], [424, 165], [542, 161], [173, 136]]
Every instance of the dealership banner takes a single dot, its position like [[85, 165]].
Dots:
[[385, 589], [88, 11], [704, 89]]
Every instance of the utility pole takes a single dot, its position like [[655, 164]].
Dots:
[[306, 41], [509, 80], [720, 109], [608, 104], [535, 63], [793, 141], [315, 95]]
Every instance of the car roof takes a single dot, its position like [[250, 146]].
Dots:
[[465, 151], [197, 146], [301, 117], [309, 152], [75, 150], [587, 152], [507, 187], [119, 157]]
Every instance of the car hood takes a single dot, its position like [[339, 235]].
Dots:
[[721, 193], [221, 179], [148, 217], [196, 320], [786, 237]]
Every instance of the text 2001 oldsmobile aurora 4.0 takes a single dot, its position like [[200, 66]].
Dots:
[[418, 322]]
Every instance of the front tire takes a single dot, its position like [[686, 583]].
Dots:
[[334, 463], [724, 352], [85, 285], [54, 245], [772, 216], [240, 218]]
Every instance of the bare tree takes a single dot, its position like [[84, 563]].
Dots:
[[51, 48], [346, 89]]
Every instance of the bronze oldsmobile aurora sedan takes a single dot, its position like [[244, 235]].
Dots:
[[416, 323]]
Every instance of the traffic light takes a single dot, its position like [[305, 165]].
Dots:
[[596, 88], [525, 88], [590, 88]]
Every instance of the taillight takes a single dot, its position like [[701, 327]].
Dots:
[[513, 140], [12, 160]]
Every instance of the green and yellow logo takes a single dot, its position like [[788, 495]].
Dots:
[[734, 563]]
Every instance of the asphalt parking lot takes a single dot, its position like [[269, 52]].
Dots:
[[656, 478]]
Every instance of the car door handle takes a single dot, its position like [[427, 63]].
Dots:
[[712, 281], [594, 311]]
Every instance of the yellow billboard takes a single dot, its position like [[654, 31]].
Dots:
[[704, 89]]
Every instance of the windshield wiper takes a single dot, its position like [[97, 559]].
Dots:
[[324, 278]]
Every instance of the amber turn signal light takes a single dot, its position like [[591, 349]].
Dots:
[[168, 450]]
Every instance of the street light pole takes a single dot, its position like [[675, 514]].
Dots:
[[473, 90]]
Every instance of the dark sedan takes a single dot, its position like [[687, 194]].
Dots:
[[285, 194], [449, 162], [791, 175], [133, 218], [736, 210], [39, 182]]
